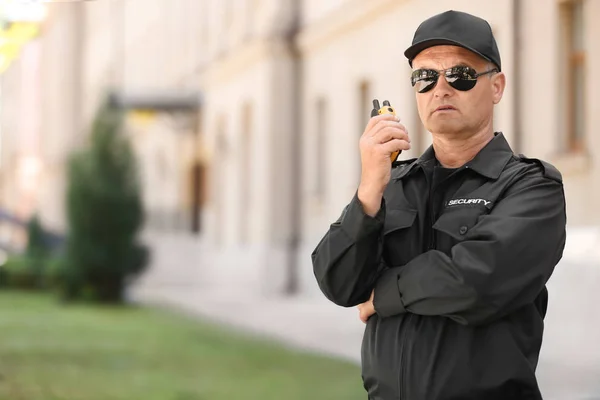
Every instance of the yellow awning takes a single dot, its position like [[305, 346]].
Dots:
[[19, 23]]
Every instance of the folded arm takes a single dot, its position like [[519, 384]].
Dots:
[[346, 262], [503, 263]]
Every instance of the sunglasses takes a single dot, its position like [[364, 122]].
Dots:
[[461, 78]]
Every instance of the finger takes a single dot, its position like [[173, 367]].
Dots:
[[395, 145], [365, 317], [382, 117], [387, 125], [391, 133]]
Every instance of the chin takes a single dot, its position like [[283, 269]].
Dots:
[[446, 127]]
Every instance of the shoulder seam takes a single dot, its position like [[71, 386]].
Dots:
[[548, 170]]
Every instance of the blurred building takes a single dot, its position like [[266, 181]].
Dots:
[[246, 115]]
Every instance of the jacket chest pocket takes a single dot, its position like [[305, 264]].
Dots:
[[455, 225], [399, 241]]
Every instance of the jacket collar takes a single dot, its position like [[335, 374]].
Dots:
[[489, 162]]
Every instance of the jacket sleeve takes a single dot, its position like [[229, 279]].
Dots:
[[346, 262], [503, 263]]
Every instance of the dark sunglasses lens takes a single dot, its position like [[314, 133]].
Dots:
[[462, 78], [424, 80], [462, 84], [423, 86]]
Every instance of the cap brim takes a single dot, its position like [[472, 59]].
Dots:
[[418, 47]]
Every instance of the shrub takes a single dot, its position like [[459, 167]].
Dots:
[[104, 212]]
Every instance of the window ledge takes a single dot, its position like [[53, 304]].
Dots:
[[572, 163]]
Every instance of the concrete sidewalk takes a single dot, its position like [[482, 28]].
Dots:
[[312, 324], [569, 367]]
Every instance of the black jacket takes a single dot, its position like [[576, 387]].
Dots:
[[459, 260]]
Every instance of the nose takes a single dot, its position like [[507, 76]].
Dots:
[[442, 89]]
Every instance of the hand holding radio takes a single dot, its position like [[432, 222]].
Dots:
[[380, 144]]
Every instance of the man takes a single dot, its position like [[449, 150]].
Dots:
[[447, 255]]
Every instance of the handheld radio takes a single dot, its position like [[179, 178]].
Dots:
[[386, 109]]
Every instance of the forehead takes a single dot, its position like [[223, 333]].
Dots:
[[442, 57]]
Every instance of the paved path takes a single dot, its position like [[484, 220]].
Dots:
[[569, 366], [307, 323]]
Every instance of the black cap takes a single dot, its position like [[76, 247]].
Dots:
[[459, 29]]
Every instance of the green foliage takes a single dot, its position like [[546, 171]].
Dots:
[[20, 272], [27, 270], [36, 245], [105, 213]]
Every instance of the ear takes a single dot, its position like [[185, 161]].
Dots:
[[498, 85]]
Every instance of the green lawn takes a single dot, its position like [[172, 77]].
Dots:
[[51, 352]]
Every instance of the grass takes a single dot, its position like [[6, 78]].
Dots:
[[54, 352]]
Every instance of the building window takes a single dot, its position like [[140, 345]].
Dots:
[[228, 10], [246, 173], [365, 106], [574, 73], [321, 150], [220, 165], [253, 15], [496, 119]]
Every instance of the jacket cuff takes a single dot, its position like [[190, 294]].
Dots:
[[387, 300], [357, 224]]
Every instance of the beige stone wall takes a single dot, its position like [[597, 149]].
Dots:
[[543, 113], [10, 148], [11, 81], [62, 105], [249, 129], [364, 42], [270, 151]]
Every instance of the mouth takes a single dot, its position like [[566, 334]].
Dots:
[[445, 108]]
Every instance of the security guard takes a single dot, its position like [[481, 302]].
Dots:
[[447, 256]]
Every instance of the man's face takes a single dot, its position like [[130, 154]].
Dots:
[[473, 109]]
